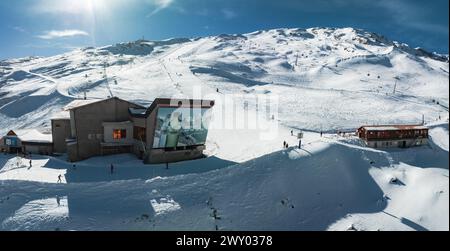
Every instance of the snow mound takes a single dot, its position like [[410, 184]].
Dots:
[[48, 213], [439, 135], [325, 185]]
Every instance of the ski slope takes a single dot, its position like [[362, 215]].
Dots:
[[332, 183], [325, 79]]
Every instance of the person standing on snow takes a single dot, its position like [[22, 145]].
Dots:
[[112, 169], [30, 163], [59, 178]]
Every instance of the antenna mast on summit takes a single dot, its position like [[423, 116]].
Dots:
[[106, 80], [88, 84]]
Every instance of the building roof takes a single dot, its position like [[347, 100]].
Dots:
[[118, 123], [394, 127], [137, 112], [64, 114], [80, 102], [84, 102], [167, 102], [31, 135]]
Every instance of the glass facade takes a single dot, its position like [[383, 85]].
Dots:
[[181, 127], [11, 141]]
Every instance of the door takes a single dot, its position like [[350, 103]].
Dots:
[[15, 150]]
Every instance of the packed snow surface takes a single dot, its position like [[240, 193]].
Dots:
[[324, 79]]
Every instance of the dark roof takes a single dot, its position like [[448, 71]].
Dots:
[[137, 112], [393, 127], [167, 102]]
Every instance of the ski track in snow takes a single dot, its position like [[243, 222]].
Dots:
[[327, 80]]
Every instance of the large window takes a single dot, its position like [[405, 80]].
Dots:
[[139, 133], [181, 127], [119, 134]]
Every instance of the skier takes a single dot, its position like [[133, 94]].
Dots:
[[112, 169], [167, 165], [30, 163], [284, 144], [321, 134], [58, 200], [59, 178], [300, 144], [287, 145], [217, 89], [292, 133]]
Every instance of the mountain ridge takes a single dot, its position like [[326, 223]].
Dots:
[[338, 63]]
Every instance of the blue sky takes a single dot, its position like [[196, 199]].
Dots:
[[49, 27]]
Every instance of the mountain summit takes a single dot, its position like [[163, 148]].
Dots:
[[335, 73]]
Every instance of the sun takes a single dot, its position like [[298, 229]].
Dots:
[[84, 7]]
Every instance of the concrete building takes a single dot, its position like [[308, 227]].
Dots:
[[26, 141], [386, 136], [88, 120], [167, 131], [60, 131], [161, 132]]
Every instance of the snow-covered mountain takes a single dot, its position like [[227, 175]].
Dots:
[[326, 79]]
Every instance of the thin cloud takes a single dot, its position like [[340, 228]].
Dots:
[[62, 34], [18, 29], [60, 7], [47, 45], [229, 14], [159, 6], [203, 12]]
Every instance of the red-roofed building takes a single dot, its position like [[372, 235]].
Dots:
[[384, 136]]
